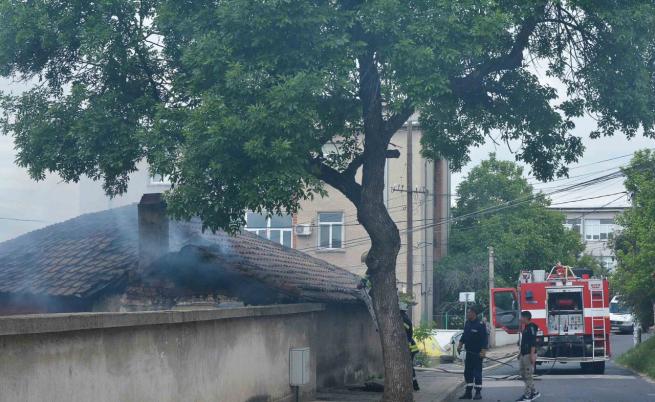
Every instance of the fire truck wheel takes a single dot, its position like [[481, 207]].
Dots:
[[598, 368]]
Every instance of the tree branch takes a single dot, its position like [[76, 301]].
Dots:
[[396, 121], [511, 60], [357, 162], [370, 94], [340, 181]]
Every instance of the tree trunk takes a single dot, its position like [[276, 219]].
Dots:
[[381, 264], [385, 239], [395, 349]]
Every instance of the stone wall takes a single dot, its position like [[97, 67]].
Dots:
[[227, 355]]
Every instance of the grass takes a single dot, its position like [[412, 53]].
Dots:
[[641, 358]]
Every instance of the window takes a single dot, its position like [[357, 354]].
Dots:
[[160, 180], [599, 229], [506, 313], [606, 229], [275, 228], [618, 308], [330, 230]]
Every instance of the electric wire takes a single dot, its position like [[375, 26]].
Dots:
[[508, 204]]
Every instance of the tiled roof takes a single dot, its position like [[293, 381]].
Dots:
[[78, 257], [278, 266], [92, 252]]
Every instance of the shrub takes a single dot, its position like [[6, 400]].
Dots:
[[641, 358]]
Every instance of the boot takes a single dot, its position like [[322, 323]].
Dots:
[[468, 394], [477, 394], [415, 384]]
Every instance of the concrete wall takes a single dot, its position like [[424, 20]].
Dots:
[[227, 355], [504, 339]]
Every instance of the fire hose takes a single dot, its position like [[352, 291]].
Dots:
[[499, 362]]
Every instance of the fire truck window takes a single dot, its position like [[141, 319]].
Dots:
[[565, 301], [507, 313]]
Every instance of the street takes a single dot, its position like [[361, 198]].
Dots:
[[562, 383]]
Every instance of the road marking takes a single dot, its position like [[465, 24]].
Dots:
[[587, 377], [519, 383], [502, 384]]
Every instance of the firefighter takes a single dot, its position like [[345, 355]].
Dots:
[[413, 348], [528, 356], [476, 341]]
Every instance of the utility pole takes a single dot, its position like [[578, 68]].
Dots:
[[492, 330], [440, 214], [410, 216]]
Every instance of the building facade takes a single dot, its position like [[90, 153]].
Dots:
[[596, 227]]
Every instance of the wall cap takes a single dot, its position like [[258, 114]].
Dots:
[[66, 322]]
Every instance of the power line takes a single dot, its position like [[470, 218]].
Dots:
[[21, 220], [596, 210], [356, 242], [589, 198], [615, 169], [508, 204], [560, 189], [593, 163]]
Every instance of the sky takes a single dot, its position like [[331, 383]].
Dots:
[[602, 156], [27, 205]]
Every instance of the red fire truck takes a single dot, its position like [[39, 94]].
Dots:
[[571, 309]]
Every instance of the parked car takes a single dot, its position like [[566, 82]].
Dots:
[[621, 317]]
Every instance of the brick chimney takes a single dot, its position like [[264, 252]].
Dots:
[[153, 230]]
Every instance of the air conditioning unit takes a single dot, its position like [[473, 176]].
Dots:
[[303, 230]]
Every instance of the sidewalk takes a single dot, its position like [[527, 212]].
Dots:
[[435, 386]]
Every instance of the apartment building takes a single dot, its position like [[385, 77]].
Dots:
[[327, 228], [597, 227]]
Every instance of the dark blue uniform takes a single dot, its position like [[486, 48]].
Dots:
[[474, 339]]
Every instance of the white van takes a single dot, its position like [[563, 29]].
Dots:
[[621, 317]]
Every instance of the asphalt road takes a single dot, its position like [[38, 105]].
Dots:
[[566, 383]]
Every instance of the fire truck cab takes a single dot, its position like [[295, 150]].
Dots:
[[571, 309]]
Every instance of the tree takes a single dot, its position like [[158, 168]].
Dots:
[[253, 104], [498, 207], [634, 246]]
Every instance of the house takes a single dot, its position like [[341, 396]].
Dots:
[[151, 309], [134, 257], [596, 226], [117, 294]]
